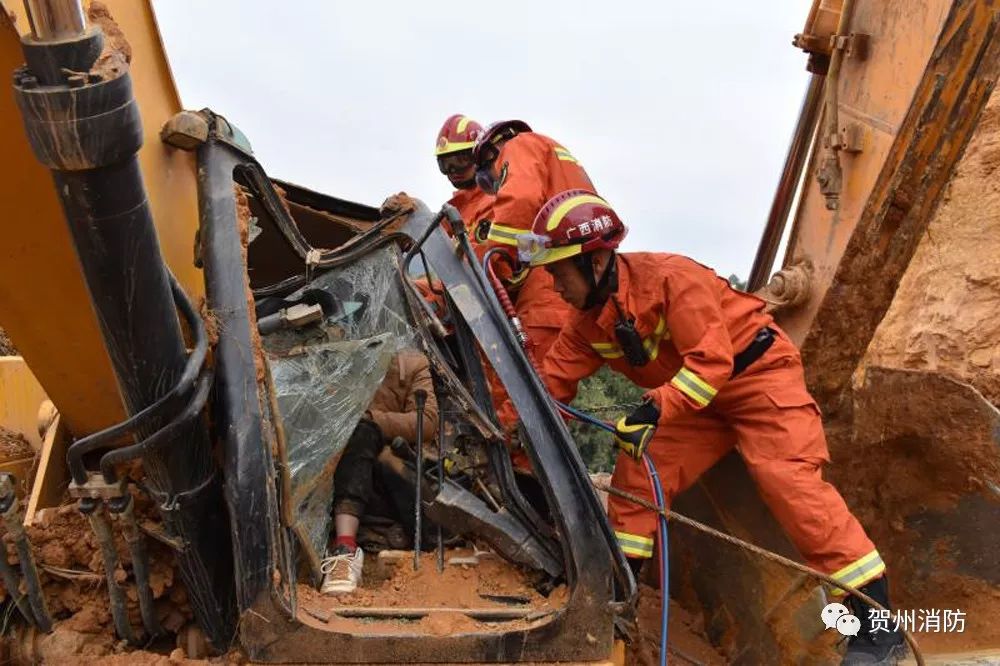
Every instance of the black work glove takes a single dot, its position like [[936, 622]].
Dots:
[[634, 432]]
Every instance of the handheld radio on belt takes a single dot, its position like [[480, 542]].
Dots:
[[628, 338]]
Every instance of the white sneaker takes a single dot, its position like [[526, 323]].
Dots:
[[342, 572]]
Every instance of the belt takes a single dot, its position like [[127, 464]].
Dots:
[[760, 344]]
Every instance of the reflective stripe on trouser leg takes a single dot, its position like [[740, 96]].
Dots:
[[692, 444], [857, 573], [635, 545], [634, 525]]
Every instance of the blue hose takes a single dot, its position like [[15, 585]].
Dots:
[[661, 504], [654, 480], [664, 558], [585, 417]]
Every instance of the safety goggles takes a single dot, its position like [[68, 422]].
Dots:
[[455, 163]]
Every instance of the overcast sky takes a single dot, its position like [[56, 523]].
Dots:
[[681, 112]]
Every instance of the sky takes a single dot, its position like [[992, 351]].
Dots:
[[681, 112]]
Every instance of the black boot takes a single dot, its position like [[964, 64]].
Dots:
[[869, 648]]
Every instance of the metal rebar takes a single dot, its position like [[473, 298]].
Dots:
[[440, 478], [482, 614], [136, 541], [13, 585], [13, 520], [102, 530], [55, 20], [421, 397]]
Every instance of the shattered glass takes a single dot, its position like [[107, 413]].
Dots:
[[326, 373]]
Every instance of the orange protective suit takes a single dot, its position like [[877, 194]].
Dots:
[[533, 168], [692, 324], [474, 206]]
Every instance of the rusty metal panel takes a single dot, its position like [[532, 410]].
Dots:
[[875, 95], [943, 116]]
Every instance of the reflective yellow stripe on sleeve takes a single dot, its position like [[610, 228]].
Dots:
[[693, 387], [564, 154], [607, 349], [859, 572], [635, 545], [505, 235]]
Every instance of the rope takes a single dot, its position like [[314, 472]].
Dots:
[[766, 554]]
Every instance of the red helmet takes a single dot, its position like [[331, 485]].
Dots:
[[457, 133], [488, 144], [571, 223]]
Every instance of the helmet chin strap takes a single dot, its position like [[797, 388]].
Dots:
[[466, 184], [600, 288]]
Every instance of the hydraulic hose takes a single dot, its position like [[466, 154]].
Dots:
[[136, 541], [36, 599], [506, 304], [165, 435], [164, 405], [13, 585], [657, 490], [623, 574], [102, 530]]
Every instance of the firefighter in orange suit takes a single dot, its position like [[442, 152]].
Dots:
[[522, 170], [720, 375], [453, 151]]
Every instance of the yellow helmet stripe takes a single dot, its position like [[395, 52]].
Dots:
[[552, 255], [453, 147], [566, 206], [462, 124]]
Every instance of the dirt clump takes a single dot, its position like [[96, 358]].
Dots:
[[6, 345], [117, 52], [243, 216], [68, 648], [72, 575], [399, 206], [211, 321], [13, 446], [490, 584]]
